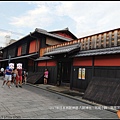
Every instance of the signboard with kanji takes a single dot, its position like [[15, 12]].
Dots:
[[81, 73]]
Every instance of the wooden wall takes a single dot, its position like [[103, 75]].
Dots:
[[107, 66], [52, 68]]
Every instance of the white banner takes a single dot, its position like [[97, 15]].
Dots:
[[79, 73], [83, 73]]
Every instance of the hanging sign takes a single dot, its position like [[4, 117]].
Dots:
[[83, 73], [79, 73]]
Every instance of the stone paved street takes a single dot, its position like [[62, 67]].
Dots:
[[33, 102]]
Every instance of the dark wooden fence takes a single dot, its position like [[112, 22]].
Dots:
[[35, 78], [103, 90]]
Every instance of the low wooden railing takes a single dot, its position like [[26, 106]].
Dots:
[[101, 40]]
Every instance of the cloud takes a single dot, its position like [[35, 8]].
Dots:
[[40, 16], [3, 38], [87, 17]]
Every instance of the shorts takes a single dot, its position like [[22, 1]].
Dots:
[[8, 77], [46, 76], [19, 78]]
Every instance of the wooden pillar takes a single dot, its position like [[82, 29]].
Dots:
[[93, 66], [115, 37], [99, 44], [71, 75], [92, 44], [88, 44], [104, 43], [110, 39], [95, 41], [84, 43], [81, 44]]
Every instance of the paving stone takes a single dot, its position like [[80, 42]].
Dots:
[[33, 102]]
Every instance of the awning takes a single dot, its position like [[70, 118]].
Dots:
[[25, 56], [65, 49]]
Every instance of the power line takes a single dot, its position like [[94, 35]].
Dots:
[[11, 31]]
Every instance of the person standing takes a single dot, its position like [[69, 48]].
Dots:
[[46, 76], [19, 78], [8, 77], [24, 74]]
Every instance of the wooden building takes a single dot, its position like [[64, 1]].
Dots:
[[90, 64], [29, 50]]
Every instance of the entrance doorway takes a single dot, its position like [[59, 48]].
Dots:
[[63, 72]]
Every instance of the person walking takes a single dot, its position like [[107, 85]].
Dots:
[[15, 74], [8, 77], [46, 76]]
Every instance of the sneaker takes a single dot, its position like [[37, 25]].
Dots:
[[20, 86], [2, 86], [16, 86], [9, 86]]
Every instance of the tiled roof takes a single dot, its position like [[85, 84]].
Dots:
[[43, 58], [64, 30], [103, 51], [64, 49], [20, 57], [52, 35]]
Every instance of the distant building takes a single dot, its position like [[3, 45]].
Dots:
[[11, 41]]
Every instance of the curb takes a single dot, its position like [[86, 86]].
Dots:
[[69, 96]]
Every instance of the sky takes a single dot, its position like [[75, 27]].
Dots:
[[83, 18]]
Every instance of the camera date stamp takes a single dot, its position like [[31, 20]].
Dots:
[[10, 117]]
